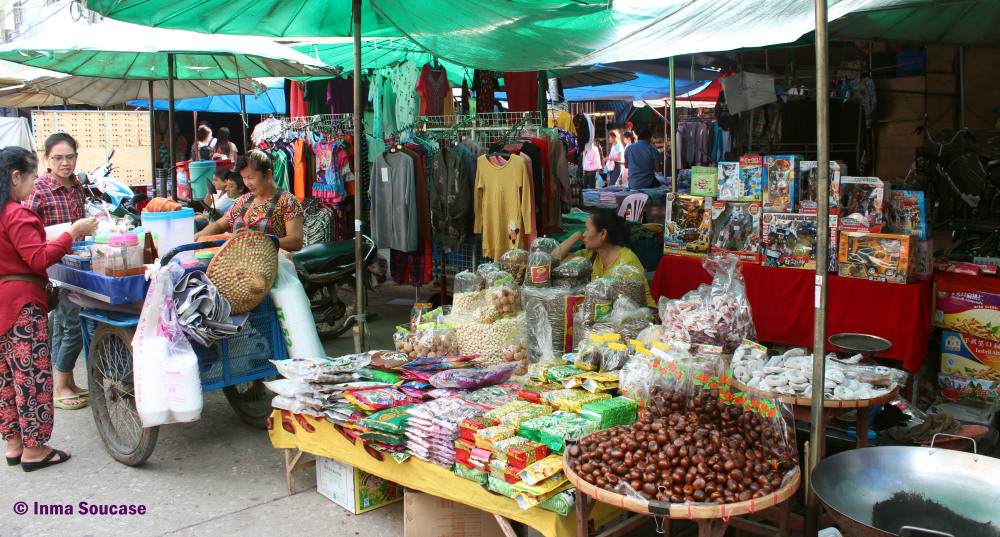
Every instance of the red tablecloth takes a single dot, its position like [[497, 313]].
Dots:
[[782, 302]]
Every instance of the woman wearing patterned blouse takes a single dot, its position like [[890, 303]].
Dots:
[[266, 208]]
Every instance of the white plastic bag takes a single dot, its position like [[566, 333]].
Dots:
[[294, 313], [167, 380]]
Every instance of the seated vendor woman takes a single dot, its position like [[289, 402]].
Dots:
[[604, 239], [265, 208]]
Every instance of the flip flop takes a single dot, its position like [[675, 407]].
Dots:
[[85, 394], [47, 461], [59, 403]]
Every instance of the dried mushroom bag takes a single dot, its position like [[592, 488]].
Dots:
[[631, 283], [549, 246], [515, 262], [539, 272], [598, 300]]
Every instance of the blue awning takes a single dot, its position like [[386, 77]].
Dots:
[[270, 102]]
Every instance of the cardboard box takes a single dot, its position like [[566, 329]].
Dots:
[[862, 204], [736, 229], [876, 256], [789, 240], [352, 489], [689, 225], [729, 181], [429, 516], [970, 356], [967, 389], [808, 185], [751, 179], [906, 214], [967, 305], [704, 180], [780, 183], [923, 264]]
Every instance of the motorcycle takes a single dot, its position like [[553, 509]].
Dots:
[[327, 271], [103, 189]]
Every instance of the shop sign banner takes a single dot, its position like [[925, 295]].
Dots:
[[746, 91]]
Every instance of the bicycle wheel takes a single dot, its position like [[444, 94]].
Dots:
[[251, 401], [112, 394]]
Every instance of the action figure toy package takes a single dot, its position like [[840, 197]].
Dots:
[[689, 223], [832, 261], [789, 240], [729, 181], [862, 202], [808, 185], [906, 214], [876, 256], [736, 229], [704, 181], [751, 179], [780, 182], [923, 265]]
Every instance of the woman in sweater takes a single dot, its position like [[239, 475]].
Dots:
[[25, 368]]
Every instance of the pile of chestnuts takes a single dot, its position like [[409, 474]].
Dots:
[[689, 448]]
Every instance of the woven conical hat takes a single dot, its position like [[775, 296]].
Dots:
[[244, 270]]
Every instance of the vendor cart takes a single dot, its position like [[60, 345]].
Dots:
[[234, 364]]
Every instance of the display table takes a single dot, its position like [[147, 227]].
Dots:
[[322, 438], [783, 307]]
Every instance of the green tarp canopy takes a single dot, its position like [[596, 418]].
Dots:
[[950, 22]]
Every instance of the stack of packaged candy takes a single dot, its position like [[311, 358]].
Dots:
[[433, 428]]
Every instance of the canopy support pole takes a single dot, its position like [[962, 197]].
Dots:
[[171, 125], [243, 105], [960, 75], [817, 429], [673, 128], [360, 327], [154, 148]]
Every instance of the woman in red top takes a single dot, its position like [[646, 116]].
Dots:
[[25, 369]]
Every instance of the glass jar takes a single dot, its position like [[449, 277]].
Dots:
[[125, 256]]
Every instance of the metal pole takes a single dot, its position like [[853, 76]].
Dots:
[[817, 429], [243, 105], [360, 327], [171, 144], [673, 127], [154, 149], [960, 74]]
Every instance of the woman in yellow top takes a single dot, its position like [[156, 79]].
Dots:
[[604, 239]]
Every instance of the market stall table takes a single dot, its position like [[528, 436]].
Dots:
[[782, 303], [319, 437]]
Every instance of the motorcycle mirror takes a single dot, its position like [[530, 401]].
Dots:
[[111, 154]]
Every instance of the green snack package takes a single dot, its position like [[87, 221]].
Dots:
[[391, 420]]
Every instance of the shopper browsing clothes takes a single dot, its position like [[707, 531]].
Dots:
[[616, 157], [604, 241], [58, 198], [266, 208], [643, 161], [26, 414]]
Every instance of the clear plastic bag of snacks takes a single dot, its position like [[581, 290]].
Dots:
[[502, 299], [598, 299], [405, 341], [418, 313], [474, 378], [515, 262], [630, 282], [516, 350], [549, 246], [436, 340], [468, 292], [539, 272]]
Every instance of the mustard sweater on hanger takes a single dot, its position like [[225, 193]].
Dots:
[[503, 205]]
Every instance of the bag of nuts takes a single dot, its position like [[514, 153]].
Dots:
[[467, 292], [503, 299], [405, 341], [515, 262], [549, 246], [516, 350], [420, 310], [631, 283], [539, 270], [483, 270], [435, 340]]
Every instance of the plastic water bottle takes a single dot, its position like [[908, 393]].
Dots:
[[829, 532]]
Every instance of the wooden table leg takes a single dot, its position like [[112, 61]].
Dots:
[[293, 463], [584, 506], [713, 527], [861, 425], [505, 526]]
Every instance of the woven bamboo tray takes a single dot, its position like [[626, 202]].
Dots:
[[827, 403]]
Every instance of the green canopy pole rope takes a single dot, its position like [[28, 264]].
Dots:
[[152, 132], [360, 327], [817, 429], [171, 144], [673, 128]]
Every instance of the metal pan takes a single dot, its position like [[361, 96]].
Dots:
[[879, 491]]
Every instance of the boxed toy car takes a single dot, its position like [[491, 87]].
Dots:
[[780, 173], [704, 180], [862, 204], [808, 185], [970, 356], [688, 227], [876, 256], [751, 179], [729, 183], [906, 213], [736, 229], [789, 240]]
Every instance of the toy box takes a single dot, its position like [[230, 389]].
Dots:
[[789, 240], [876, 256], [862, 201], [833, 263], [808, 185], [704, 181], [736, 229], [970, 356], [751, 179], [688, 227], [968, 389], [352, 489], [906, 213], [729, 183], [923, 260], [967, 304], [779, 184]]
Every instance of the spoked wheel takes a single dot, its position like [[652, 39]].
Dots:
[[112, 394], [251, 401], [333, 307]]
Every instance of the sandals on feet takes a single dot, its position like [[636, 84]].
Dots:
[[47, 461], [60, 404], [13, 461]]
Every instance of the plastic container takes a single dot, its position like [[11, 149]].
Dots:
[[204, 258], [174, 228], [199, 174], [125, 256], [99, 254]]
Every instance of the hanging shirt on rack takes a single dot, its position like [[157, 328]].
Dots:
[[300, 163], [388, 106], [484, 83], [503, 205], [280, 159], [433, 88], [450, 200], [417, 153], [340, 95], [404, 83], [562, 120], [329, 182], [394, 204], [522, 90], [296, 100], [375, 97]]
